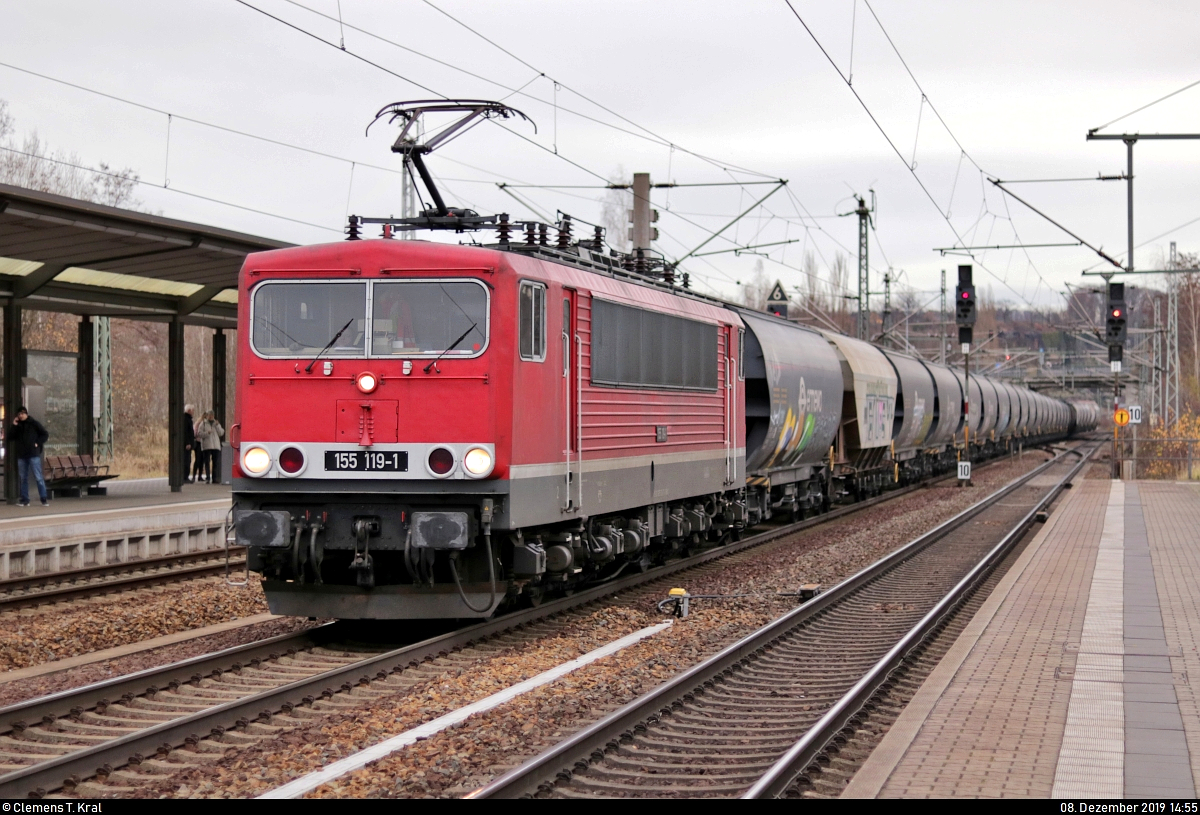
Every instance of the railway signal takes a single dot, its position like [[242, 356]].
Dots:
[[964, 304], [1115, 322]]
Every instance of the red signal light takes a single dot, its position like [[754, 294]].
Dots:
[[291, 460], [441, 460], [966, 295], [1116, 312]]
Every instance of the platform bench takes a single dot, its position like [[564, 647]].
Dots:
[[69, 476]]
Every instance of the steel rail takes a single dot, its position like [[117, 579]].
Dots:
[[775, 781], [66, 702], [530, 777], [51, 775], [63, 593]]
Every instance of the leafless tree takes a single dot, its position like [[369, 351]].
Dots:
[[839, 274], [756, 292], [908, 300], [1189, 314], [614, 211], [32, 164], [810, 283]]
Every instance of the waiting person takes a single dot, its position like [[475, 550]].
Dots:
[[29, 442], [199, 473], [209, 436], [189, 441]]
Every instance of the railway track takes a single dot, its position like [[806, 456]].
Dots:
[[750, 720], [93, 581], [62, 740]]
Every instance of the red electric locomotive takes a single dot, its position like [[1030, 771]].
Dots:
[[424, 430], [430, 431]]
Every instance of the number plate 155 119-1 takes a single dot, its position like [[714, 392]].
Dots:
[[395, 461]]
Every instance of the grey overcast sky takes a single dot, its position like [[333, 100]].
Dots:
[[743, 85]]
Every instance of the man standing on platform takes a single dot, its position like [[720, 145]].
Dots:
[[29, 442], [189, 441]]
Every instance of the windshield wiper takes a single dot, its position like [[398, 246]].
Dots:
[[453, 345], [328, 345]]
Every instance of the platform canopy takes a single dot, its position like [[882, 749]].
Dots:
[[61, 254]]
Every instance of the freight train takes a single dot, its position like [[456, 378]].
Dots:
[[434, 431]]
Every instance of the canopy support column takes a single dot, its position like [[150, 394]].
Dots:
[[175, 417], [218, 374], [12, 393], [85, 368]]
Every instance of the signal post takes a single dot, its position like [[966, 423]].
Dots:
[[1115, 331], [964, 317]]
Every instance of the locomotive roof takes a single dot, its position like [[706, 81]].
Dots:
[[419, 255]]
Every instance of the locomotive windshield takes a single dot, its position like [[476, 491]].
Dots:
[[419, 317], [299, 319], [407, 318]]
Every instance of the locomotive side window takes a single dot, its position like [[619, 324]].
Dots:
[[418, 317], [741, 360], [299, 319], [633, 347], [533, 322], [566, 336]]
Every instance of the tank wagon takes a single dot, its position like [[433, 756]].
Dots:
[[435, 431]]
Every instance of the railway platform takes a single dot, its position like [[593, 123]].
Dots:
[[80, 532], [1080, 675]]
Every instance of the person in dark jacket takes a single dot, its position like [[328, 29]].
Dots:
[[29, 442], [189, 442]]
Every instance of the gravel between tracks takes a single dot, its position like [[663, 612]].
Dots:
[[470, 754], [45, 633]]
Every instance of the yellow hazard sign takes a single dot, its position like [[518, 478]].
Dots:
[[1121, 417]]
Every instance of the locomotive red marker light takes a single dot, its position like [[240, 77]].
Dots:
[[291, 460], [256, 461], [441, 461], [366, 381], [477, 461]]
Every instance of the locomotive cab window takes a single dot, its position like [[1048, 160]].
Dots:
[[419, 317], [299, 319], [424, 318], [533, 322]]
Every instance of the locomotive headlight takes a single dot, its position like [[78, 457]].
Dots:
[[366, 381], [477, 461], [256, 461]]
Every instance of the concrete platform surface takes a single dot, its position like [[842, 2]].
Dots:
[[1073, 680], [61, 508]]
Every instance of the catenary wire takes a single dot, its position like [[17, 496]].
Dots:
[[1143, 107], [152, 185], [887, 138]]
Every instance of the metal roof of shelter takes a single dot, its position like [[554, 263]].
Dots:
[[62, 254]]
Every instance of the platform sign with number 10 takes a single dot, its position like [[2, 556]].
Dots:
[[964, 471]]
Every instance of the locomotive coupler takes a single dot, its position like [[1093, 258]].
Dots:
[[362, 564]]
